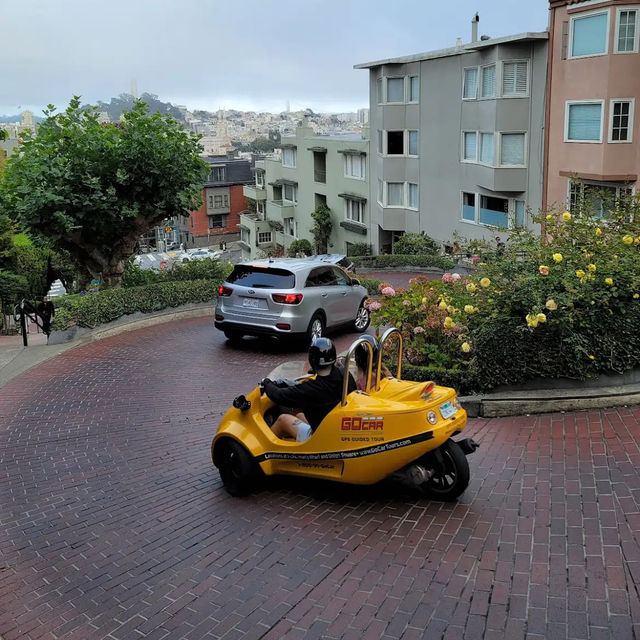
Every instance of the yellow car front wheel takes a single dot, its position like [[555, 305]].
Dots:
[[450, 472], [238, 470]]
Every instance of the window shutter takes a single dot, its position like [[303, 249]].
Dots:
[[521, 78], [584, 121], [488, 82], [470, 89], [470, 146], [486, 148], [508, 78]]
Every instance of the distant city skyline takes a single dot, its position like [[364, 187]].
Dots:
[[243, 55]]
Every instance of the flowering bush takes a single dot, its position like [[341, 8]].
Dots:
[[566, 305]]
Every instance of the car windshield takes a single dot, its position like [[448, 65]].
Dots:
[[264, 278], [344, 263]]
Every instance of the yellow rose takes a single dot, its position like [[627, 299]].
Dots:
[[485, 282], [636, 241], [557, 257], [592, 267], [566, 216], [532, 320], [443, 304], [471, 287], [592, 357], [551, 304], [549, 216], [580, 273], [424, 301], [544, 270], [636, 295], [627, 240], [468, 308], [608, 280], [450, 309], [541, 317], [466, 347], [448, 322], [598, 232]]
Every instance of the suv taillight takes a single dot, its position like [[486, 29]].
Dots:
[[287, 298], [224, 291]]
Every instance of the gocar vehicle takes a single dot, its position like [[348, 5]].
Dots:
[[289, 297]]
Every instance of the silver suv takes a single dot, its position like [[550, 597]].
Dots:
[[289, 297]]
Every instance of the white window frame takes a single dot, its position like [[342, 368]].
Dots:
[[511, 209], [596, 183], [263, 234], [479, 148], [632, 104], [294, 193], [636, 41], [514, 95], [408, 200], [402, 205], [524, 149], [464, 77], [409, 100], [406, 146], [495, 81], [260, 179], [386, 90], [380, 90], [475, 207], [586, 14], [567, 110], [348, 161], [462, 158], [349, 206]]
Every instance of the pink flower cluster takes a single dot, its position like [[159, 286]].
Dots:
[[418, 330], [373, 305], [450, 278], [406, 303], [388, 291]]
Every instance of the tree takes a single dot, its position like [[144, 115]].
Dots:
[[298, 247], [93, 189], [415, 244], [322, 227]]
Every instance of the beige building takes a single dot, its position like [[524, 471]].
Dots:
[[592, 132]]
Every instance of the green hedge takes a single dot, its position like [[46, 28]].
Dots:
[[207, 269], [383, 261], [463, 381], [370, 285], [94, 309]]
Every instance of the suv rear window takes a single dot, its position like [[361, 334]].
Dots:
[[261, 278]]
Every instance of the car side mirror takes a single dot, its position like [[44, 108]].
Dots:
[[355, 281]]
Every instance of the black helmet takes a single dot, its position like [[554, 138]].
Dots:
[[361, 353], [322, 353]]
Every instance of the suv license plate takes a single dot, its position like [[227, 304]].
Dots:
[[447, 410], [251, 302]]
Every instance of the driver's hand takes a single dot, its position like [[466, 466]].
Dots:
[[262, 383]]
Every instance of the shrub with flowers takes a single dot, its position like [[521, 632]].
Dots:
[[565, 303]]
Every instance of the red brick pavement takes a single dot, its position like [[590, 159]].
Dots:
[[114, 523]]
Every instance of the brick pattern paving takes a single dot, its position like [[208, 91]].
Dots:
[[114, 523]]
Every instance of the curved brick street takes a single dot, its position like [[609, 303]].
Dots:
[[114, 523]]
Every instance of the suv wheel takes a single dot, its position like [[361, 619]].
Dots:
[[363, 318], [316, 328]]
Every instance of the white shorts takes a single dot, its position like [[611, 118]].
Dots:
[[304, 432]]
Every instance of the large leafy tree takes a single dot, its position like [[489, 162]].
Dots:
[[93, 189], [322, 227]]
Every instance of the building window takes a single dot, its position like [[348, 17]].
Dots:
[[486, 148], [469, 151], [289, 193], [627, 31], [218, 174], [413, 196], [379, 93], [414, 88], [354, 165], [488, 82], [289, 157], [395, 143], [395, 194], [217, 222], [469, 206], [413, 143], [220, 201], [515, 79], [583, 122], [494, 211], [395, 89], [620, 120], [380, 191], [470, 84], [264, 237], [260, 206], [380, 141], [599, 198], [354, 210], [245, 236], [290, 227], [520, 217], [589, 35], [210, 202], [260, 179], [512, 149]]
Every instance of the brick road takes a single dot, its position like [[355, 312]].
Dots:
[[114, 523]]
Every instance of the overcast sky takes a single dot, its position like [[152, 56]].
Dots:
[[244, 54]]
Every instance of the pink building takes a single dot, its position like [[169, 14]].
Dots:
[[592, 133]]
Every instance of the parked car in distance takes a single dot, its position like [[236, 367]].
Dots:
[[285, 297], [200, 254]]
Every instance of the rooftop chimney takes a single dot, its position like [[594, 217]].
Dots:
[[474, 28], [458, 42]]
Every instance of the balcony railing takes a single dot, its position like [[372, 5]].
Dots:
[[254, 192], [319, 175], [285, 208]]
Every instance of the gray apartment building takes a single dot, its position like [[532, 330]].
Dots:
[[311, 170], [457, 139]]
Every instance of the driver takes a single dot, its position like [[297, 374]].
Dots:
[[315, 397]]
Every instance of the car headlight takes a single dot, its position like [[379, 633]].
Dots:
[[432, 417]]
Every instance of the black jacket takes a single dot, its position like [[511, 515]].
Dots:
[[314, 397]]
